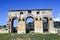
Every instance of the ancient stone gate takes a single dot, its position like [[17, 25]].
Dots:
[[37, 14]]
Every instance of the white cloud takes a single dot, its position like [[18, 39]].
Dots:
[[57, 18]]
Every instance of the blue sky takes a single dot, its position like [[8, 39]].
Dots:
[[6, 5]]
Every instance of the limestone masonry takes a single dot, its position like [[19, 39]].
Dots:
[[37, 14]]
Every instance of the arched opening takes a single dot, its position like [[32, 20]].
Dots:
[[45, 24], [29, 24], [14, 25]]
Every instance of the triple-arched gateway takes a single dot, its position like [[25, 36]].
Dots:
[[43, 21]]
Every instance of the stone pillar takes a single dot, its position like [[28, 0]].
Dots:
[[41, 26], [38, 27], [21, 27], [51, 27], [9, 25]]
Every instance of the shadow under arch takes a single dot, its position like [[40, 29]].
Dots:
[[14, 29], [45, 24], [30, 25]]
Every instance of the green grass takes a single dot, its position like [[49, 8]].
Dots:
[[29, 36]]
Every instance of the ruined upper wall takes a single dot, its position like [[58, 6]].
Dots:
[[42, 13]]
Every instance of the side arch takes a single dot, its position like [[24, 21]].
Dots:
[[14, 25]]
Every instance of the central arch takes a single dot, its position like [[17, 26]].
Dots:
[[29, 24]]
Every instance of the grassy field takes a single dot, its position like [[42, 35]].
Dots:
[[29, 36]]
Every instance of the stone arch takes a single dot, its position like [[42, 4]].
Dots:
[[29, 17], [30, 28], [14, 29], [45, 24]]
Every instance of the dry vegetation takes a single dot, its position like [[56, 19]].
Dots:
[[29, 36]]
